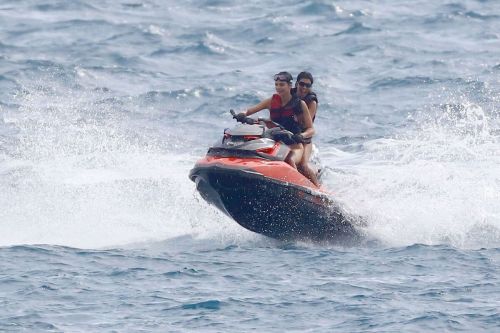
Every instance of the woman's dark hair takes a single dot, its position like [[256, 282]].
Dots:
[[283, 76], [305, 75]]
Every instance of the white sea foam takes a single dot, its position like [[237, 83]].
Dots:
[[437, 184], [78, 175]]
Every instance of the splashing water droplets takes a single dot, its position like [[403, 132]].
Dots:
[[79, 173], [437, 183]]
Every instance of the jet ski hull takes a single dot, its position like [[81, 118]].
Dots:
[[285, 209]]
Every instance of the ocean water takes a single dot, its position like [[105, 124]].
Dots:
[[106, 105]]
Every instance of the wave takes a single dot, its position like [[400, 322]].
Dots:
[[483, 17], [403, 82], [207, 44], [322, 8], [64, 6], [356, 28], [331, 10], [454, 12], [410, 81]]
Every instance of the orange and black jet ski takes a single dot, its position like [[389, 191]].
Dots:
[[245, 176]]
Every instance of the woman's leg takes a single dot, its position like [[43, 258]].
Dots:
[[304, 166], [295, 155], [307, 153]]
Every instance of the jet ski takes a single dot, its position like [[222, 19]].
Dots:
[[245, 176]]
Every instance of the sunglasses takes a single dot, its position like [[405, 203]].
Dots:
[[303, 84]]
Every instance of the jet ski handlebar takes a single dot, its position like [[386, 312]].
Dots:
[[251, 121], [276, 131]]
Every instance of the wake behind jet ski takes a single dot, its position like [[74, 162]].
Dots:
[[245, 175]]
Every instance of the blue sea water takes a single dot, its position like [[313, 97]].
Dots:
[[106, 105]]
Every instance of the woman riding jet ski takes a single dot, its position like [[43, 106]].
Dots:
[[291, 113], [246, 176]]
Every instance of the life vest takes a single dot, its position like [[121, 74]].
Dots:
[[310, 97], [285, 115]]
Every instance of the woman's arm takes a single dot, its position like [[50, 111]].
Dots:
[[265, 104], [305, 121], [312, 106]]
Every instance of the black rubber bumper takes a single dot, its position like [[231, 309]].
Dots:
[[273, 208]]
